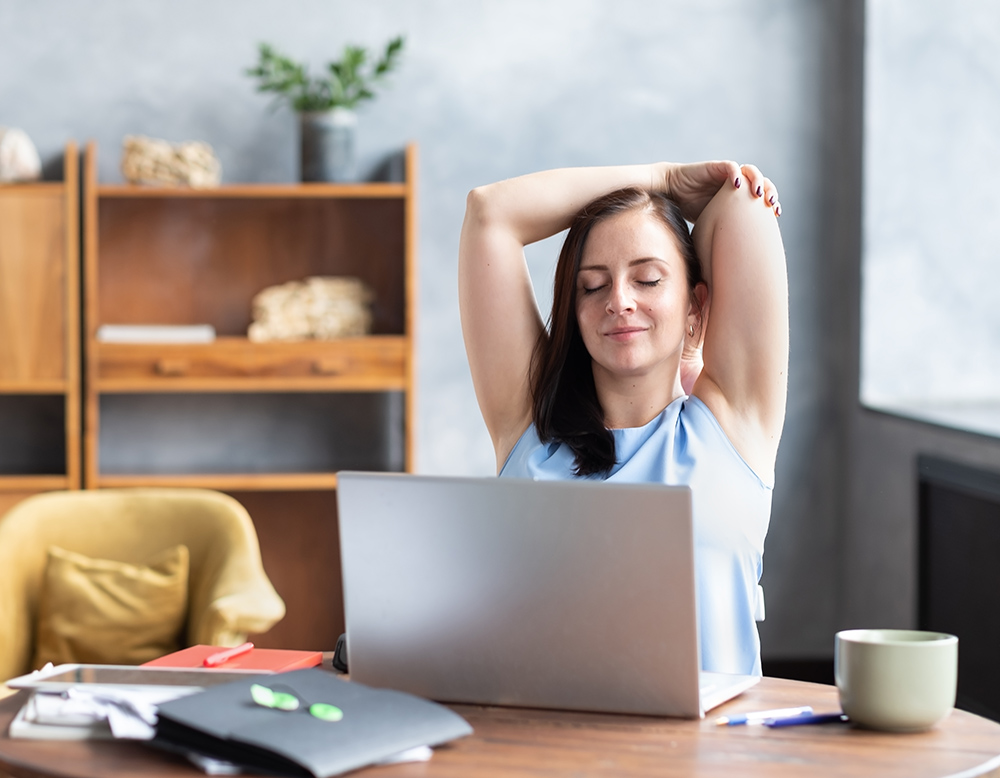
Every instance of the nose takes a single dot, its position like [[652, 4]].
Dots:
[[620, 299]]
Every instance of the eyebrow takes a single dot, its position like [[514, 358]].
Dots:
[[633, 263]]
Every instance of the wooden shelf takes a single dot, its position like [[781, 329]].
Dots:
[[260, 191], [227, 481], [40, 386], [34, 483], [376, 363], [47, 188]]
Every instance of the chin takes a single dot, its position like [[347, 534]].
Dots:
[[626, 368], [631, 365]]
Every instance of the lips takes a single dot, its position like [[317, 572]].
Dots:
[[624, 333]]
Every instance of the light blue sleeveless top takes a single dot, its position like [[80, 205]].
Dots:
[[685, 445]]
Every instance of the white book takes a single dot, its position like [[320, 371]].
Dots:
[[156, 333]]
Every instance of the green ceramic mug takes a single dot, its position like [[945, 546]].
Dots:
[[896, 680]]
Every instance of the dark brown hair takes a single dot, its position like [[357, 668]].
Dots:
[[565, 407]]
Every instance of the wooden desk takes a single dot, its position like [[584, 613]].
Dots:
[[510, 741]]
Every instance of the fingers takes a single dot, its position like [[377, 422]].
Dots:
[[770, 194], [730, 170], [719, 170], [762, 186], [755, 178]]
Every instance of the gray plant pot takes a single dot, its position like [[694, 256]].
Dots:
[[327, 145]]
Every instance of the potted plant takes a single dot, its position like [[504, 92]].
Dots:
[[326, 103]]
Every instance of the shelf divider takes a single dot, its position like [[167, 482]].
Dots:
[[36, 386], [226, 482], [259, 191], [33, 483]]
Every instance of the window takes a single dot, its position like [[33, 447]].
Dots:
[[931, 252]]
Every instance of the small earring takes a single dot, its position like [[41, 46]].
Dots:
[[691, 330]]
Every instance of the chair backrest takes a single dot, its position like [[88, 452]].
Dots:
[[228, 592]]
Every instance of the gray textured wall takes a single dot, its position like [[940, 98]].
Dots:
[[498, 88]]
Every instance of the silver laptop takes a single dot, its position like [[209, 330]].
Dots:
[[554, 594]]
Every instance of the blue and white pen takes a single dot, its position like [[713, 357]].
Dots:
[[818, 718], [760, 716]]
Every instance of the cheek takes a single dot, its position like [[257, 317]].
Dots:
[[585, 310], [673, 302], [588, 323]]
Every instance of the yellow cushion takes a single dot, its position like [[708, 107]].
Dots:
[[104, 612]]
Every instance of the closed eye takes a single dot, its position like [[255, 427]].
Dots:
[[592, 289], [651, 283]]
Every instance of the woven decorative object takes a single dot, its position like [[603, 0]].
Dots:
[[19, 159], [321, 308], [159, 162]]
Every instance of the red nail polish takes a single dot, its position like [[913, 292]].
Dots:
[[759, 191], [737, 182], [773, 200], [777, 211]]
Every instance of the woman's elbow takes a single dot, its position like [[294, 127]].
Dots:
[[478, 204], [736, 207]]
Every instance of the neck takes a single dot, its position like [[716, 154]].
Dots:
[[632, 401]]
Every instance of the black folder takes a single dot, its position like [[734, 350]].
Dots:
[[225, 723]]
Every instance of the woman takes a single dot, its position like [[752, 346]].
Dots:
[[665, 360]]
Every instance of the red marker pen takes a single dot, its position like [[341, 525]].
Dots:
[[214, 660]]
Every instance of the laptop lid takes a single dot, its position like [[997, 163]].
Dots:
[[558, 594]]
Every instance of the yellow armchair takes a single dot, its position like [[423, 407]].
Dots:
[[229, 595]]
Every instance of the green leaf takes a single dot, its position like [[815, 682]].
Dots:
[[346, 82], [391, 57]]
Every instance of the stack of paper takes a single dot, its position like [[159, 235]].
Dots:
[[156, 333], [99, 712]]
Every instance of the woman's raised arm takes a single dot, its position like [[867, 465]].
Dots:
[[745, 377]]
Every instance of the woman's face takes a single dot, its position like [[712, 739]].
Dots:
[[633, 305]]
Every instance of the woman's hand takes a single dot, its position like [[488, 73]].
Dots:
[[693, 185]]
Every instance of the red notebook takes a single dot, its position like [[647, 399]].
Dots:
[[272, 660]]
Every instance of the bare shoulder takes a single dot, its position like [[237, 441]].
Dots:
[[504, 445], [757, 445]]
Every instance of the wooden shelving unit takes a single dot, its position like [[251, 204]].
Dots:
[[270, 423], [39, 335]]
